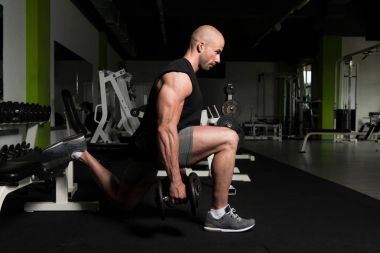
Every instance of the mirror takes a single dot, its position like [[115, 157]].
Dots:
[[73, 73]]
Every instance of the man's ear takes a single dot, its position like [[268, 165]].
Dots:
[[200, 46]]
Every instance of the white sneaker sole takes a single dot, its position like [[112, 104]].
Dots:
[[227, 230]]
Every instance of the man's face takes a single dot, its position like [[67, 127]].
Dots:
[[211, 54]]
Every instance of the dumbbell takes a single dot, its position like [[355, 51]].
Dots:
[[11, 151], [15, 112], [25, 147], [14, 151], [6, 113], [31, 112], [4, 153], [193, 192], [19, 114], [1, 112]]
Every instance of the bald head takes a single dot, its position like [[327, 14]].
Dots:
[[205, 33], [205, 47]]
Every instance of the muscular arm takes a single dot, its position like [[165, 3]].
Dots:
[[174, 88]]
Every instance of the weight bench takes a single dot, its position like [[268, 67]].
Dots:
[[326, 131], [36, 167]]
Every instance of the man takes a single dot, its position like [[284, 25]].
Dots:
[[170, 135]]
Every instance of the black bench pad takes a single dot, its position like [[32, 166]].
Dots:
[[15, 170], [33, 163]]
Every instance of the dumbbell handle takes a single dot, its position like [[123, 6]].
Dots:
[[166, 200]]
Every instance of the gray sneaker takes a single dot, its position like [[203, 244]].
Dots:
[[66, 147], [229, 222]]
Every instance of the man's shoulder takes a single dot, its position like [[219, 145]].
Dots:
[[177, 68], [180, 62]]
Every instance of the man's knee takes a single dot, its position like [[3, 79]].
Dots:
[[138, 177], [232, 138], [129, 196]]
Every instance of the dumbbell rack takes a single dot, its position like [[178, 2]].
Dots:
[[29, 133], [28, 130], [65, 186]]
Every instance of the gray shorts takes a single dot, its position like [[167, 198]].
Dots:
[[185, 146], [139, 170]]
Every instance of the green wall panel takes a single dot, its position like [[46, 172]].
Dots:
[[331, 51], [38, 60]]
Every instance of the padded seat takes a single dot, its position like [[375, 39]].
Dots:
[[15, 170]]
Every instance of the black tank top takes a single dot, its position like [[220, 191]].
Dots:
[[145, 137]]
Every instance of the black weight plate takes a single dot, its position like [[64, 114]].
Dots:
[[160, 199], [194, 192], [228, 121], [230, 107]]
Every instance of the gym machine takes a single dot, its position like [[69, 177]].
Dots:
[[370, 128], [113, 92], [345, 102], [260, 127], [230, 106]]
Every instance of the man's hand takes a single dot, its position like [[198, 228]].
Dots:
[[177, 192]]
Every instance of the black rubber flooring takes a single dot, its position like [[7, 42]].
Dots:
[[294, 211]]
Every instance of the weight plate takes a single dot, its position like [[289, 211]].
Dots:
[[194, 192], [230, 107], [160, 199]]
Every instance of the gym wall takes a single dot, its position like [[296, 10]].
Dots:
[[244, 76]]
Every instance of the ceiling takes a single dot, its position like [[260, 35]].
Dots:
[[266, 30]]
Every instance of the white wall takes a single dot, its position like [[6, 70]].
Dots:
[[14, 61], [368, 80], [71, 29]]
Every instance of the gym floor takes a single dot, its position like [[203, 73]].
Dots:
[[353, 165], [295, 211]]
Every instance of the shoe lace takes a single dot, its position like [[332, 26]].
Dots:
[[233, 214]]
